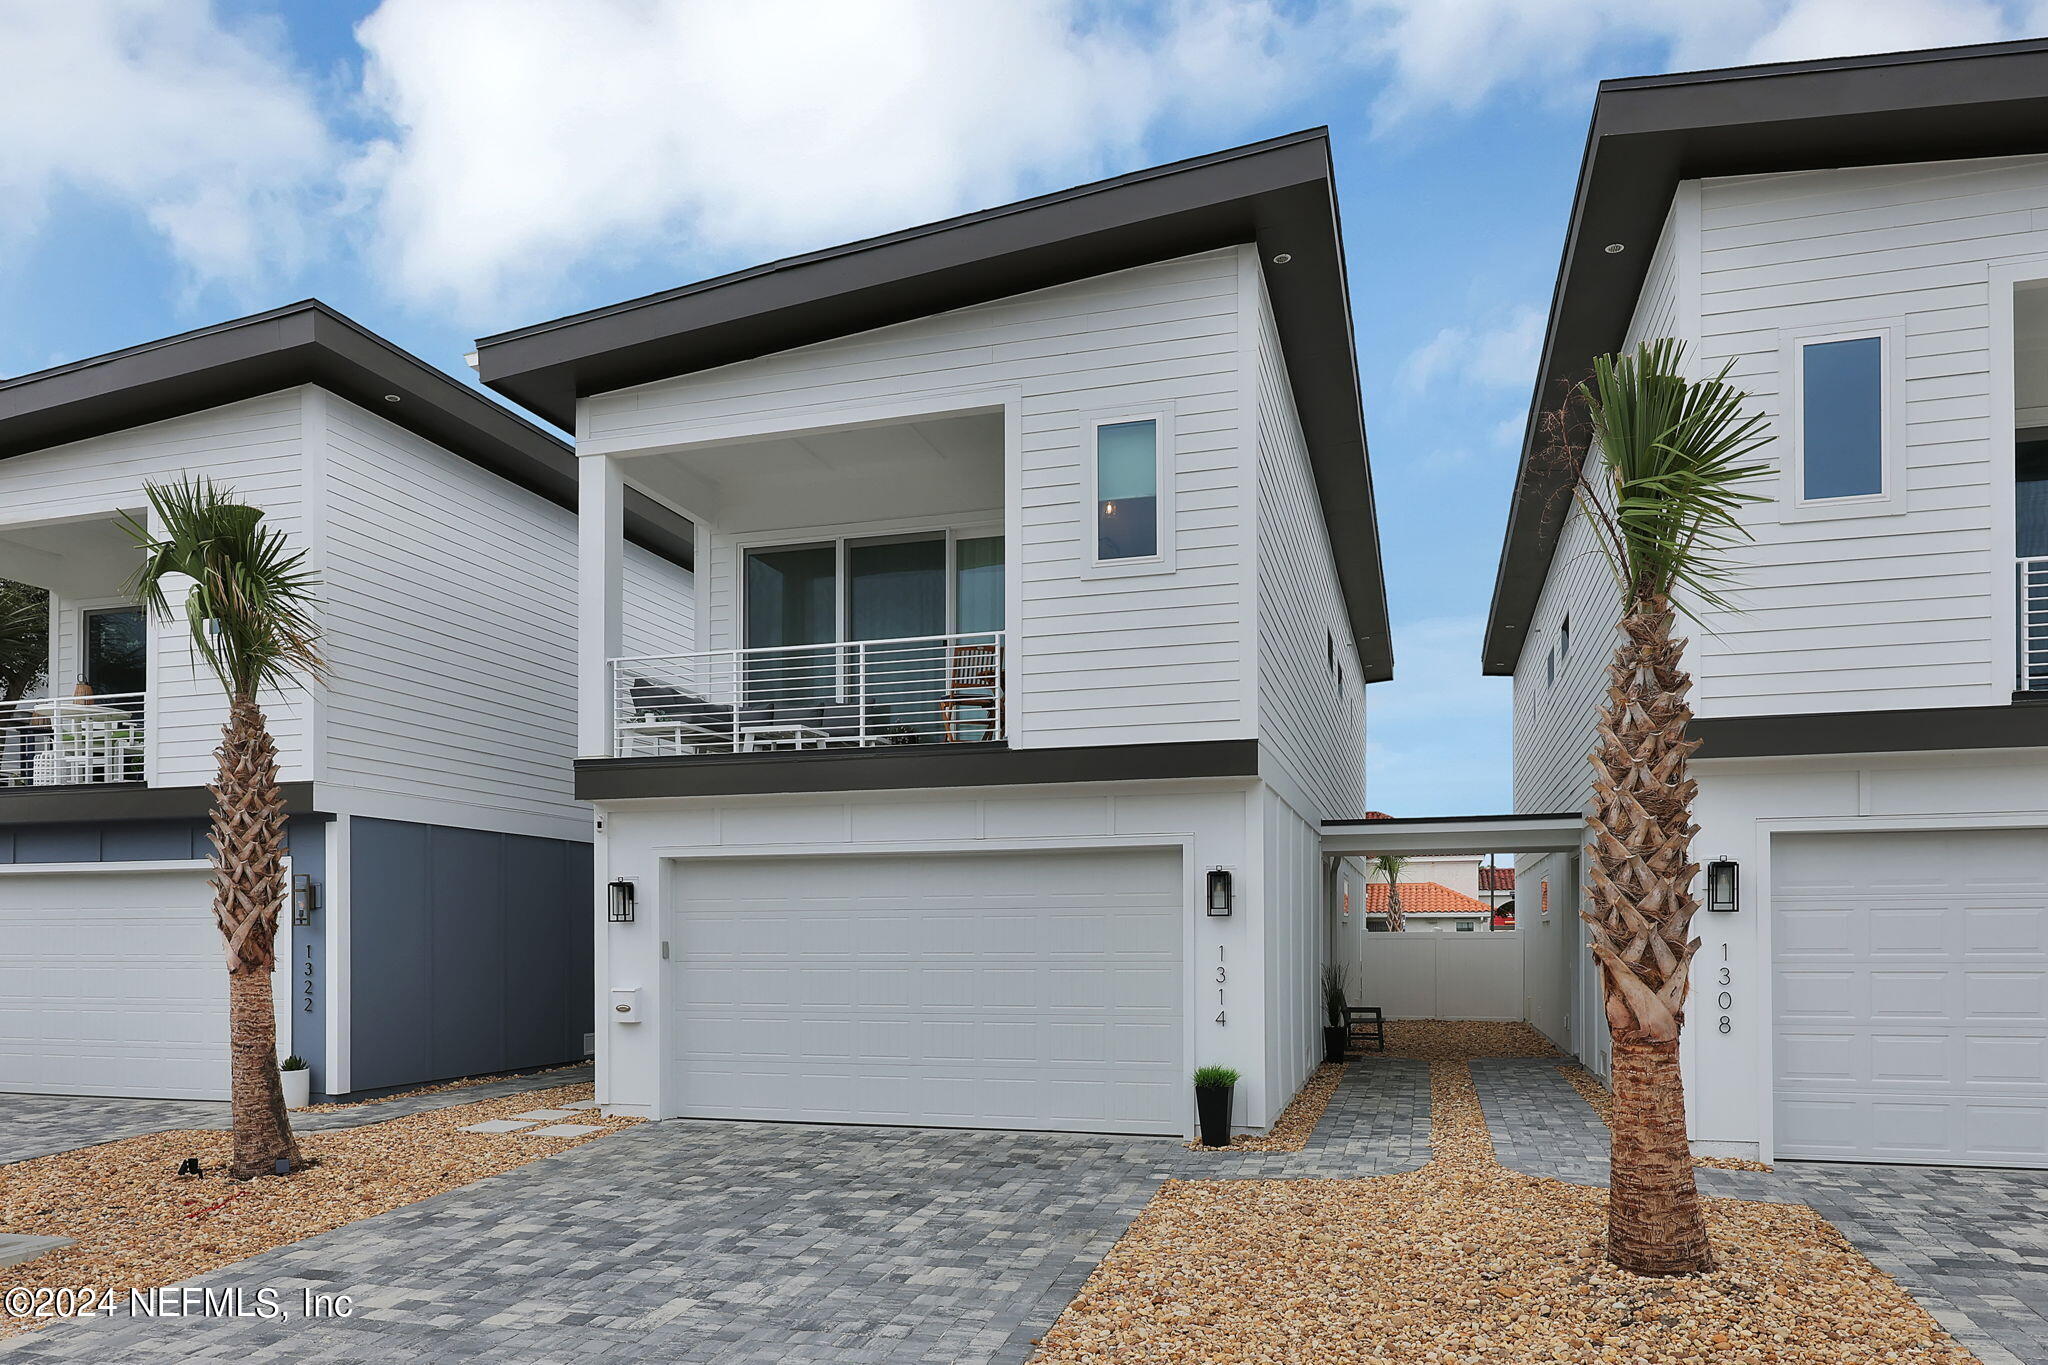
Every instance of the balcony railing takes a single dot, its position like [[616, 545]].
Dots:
[[925, 689], [73, 741], [2033, 623]]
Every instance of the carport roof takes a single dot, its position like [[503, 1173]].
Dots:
[[1418, 836]]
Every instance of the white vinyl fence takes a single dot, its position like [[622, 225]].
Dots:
[[1440, 976]]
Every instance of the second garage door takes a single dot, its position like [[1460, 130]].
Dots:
[[112, 983], [1911, 997], [1011, 990]]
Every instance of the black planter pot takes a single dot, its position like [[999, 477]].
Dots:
[[1212, 1107], [1336, 1042]]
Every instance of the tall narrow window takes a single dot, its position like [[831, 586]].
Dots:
[[1550, 668], [1564, 638], [1127, 490], [1841, 419], [116, 651]]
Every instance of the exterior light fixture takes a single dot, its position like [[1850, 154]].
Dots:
[[305, 898], [620, 910], [391, 398], [1615, 248], [1722, 895], [1282, 259], [1219, 892]]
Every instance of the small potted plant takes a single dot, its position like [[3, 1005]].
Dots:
[[1214, 1087], [1336, 1027], [297, 1081]]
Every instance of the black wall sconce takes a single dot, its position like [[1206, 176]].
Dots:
[[1723, 895], [1219, 892], [620, 910], [305, 898]]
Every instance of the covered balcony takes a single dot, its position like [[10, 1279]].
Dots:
[[74, 656]]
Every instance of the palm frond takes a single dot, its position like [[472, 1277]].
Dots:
[[24, 638], [250, 602], [1671, 473]]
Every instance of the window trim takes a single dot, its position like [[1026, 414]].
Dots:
[[1889, 500], [1162, 502]]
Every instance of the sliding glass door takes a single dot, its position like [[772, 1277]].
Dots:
[[792, 600]]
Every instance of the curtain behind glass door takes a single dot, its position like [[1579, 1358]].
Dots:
[[791, 601], [896, 590]]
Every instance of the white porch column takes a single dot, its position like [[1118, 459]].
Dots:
[[600, 540]]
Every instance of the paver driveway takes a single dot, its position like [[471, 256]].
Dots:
[[744, 1242]]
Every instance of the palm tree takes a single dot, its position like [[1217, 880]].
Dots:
[[24, 660], [249, 610], [1389, 866], [1663, 491]]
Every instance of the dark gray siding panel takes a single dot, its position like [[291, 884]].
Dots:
[[307, 966], [470, 952]]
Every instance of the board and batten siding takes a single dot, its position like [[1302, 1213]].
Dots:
[[451, 625], [1311, 699], [252, 447], [1295, 918], [1871, 612], [1096, 659]]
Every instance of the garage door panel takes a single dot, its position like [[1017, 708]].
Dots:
[[1912, 1016], [989, 990]]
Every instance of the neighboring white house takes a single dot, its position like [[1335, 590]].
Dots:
[[1864, 243], [1038, 592], [439, 858]]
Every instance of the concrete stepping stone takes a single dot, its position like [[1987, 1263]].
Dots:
[[16, 1247], [582, 1104], [539, 1115], [565, 1130], [497, 1126]]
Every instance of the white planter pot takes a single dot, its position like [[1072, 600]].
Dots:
[[298, 1088]]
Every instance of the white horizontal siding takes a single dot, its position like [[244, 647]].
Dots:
[[1311, 712], [1159, 336], [450, 626], [254, 448], [658, 607], [1880, 611]]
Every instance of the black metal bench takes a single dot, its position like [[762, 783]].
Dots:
[[1367, 1025]]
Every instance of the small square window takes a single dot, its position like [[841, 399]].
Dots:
[[1127, 490], [1841, 419]]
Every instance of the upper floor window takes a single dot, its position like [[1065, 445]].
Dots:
[[1842, 418], [116, 651], [1564, 638], [1127, 490]]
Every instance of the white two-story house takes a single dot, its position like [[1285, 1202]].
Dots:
[[440, 863], [1037, 592], [1866, 240]]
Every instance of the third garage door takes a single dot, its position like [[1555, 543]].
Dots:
[[987, 990], [1911, 997]]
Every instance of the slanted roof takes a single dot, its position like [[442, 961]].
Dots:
[[1279, 194], [1423, 898], [304, 343], [1496, 879], [1649, 133]]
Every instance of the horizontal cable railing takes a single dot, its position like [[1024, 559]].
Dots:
[[2033, 623], [73, 741], [924, 689]]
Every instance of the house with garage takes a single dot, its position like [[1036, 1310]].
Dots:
[[439, 862], [1037, 594], [1865, 242]]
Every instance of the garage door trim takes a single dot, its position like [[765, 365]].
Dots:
[[655, 1003]]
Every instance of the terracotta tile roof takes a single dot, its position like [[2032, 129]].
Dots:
[[1424, 898], [1496, 879]]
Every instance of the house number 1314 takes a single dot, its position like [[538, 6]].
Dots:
[[1221, 977]]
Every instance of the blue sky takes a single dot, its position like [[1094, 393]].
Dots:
[[443, 169]]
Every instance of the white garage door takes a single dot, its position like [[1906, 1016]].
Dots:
[[112, 983], [1911, 997], [1029, 990]]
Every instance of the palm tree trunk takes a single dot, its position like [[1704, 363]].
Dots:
[[1640, 885], [1396, 920], [248, 890]]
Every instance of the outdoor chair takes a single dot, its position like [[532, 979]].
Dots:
[[973, 683], [1367, 1025]]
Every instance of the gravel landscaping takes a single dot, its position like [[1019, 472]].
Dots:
[[1290, 1133], [1467, 1262], [139, 1225]]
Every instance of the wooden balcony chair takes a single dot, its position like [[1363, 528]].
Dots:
[[973, 681]]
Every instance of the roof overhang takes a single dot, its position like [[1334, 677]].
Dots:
[[1650, 133], [304, 343], [1279, 194], [1422, 836]]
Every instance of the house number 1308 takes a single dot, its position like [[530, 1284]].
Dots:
[[1725, 1001], [1221, 976]]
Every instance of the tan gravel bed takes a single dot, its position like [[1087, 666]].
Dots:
[[1466, 1263], [1595, 1092], [463, 1084], [1432, 1040], [138, 1225], [1290, 1132]]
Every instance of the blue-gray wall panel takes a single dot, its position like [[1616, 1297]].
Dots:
[[470, 952]]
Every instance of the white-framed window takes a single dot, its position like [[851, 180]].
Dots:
[[1843, 422], [1129, 462]]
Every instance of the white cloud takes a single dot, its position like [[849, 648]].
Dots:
[[1437, 735], [1844, 28], [531, 136], [1499, 353], [154, 107]]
